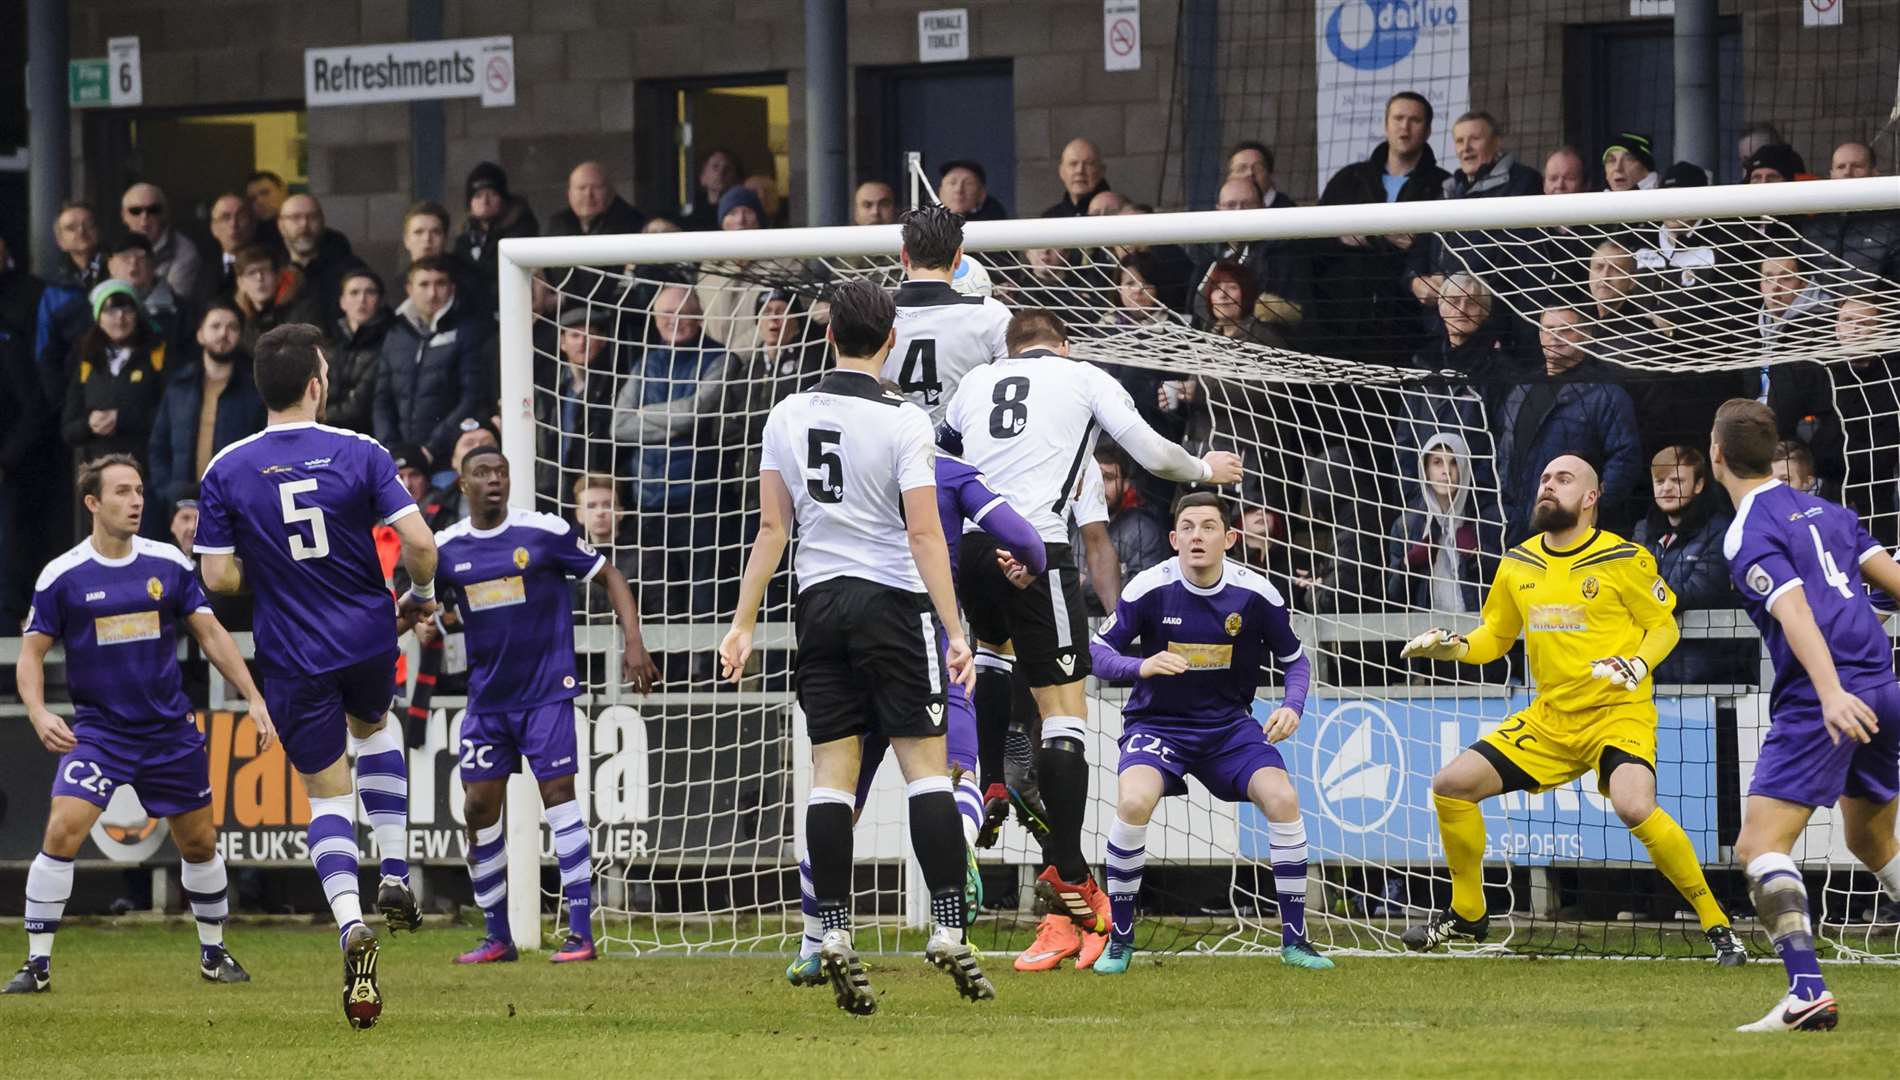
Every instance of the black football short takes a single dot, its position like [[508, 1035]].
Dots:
[[1046, 622], [868, 662]]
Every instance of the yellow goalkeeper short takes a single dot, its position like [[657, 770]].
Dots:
[[1540, 748]]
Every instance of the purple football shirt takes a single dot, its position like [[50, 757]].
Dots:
[[119, 621], [1228, 634], [511, 584], [1782, 538], [296, 503]]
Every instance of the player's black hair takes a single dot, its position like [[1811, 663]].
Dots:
[[932, 237], [1745, 431], [861, 318], [1196, 499], [91, 478], [479, 451], [284, 361], [1032, 327]]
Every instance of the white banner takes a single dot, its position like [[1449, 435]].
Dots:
[[1822, 12], [1369, 50], [411, 71]]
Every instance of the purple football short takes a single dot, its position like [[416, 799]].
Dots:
[[1800, 764], [309, 710], [493, 744], [171, 775], [1223, 757]]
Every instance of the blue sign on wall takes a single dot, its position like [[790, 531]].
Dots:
[[1364, 769]]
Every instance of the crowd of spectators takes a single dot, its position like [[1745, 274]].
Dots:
[[651, 382]]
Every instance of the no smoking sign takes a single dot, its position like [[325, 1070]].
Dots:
[[1121, 35]]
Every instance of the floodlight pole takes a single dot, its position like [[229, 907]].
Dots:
[[827, 115], [1697, 118]]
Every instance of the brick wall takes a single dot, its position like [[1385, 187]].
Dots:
[[578, 63]]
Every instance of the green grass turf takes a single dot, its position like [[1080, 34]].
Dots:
[[127, 1001]]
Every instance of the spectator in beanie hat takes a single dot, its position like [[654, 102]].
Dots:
[[494, 215], [1775, 163], [1629, 164]]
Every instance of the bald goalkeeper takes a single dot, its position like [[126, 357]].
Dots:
[[1596, 620]]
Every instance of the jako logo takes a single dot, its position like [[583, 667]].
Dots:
[[1374, 34], [1358, 766]]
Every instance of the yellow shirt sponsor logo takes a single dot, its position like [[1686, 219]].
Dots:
[[119, 629], [1203, 657], [501, 592], [1557, 617]]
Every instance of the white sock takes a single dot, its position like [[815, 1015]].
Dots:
[[49, 884], [205, 886], [1889, 876]]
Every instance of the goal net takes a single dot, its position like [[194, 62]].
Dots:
[[1389, 373]]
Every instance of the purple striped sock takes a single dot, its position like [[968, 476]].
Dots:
[[331, 835], [488, 871], [572, 851], [382, 782], [1127, 856]]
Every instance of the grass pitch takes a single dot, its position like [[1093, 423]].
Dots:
[[127, 1001]]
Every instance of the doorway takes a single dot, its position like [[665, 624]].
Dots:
[[1622, 77], [948, 112], [679, 122], [195, 155]]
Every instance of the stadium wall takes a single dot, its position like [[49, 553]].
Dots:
[[578, 63]]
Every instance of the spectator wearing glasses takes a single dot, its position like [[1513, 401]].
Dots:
[[234, 227], [63, 313], [175, 258]]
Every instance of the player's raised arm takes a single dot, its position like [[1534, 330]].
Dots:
[[218, 648], [768, 547], [1120, 421]]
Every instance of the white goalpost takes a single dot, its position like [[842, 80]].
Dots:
[[652, 359]]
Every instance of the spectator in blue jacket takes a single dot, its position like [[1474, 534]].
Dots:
[[1574, 410], [430, 375], [63, 313], [668, 402], [207, 406]]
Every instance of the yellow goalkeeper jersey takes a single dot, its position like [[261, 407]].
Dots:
[[1599, 599]]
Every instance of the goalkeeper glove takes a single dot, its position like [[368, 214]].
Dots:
[[1624, 671], [1437, 644]]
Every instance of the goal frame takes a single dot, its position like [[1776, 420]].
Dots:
[[519, 258]]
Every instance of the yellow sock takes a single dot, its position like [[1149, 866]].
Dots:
[[1670, 850], [1461, 827]]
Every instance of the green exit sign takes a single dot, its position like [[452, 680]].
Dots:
[[88, 83]]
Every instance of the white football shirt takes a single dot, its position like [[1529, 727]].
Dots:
[[1030, 423], [941, 335], [848, 450]]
